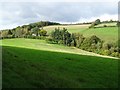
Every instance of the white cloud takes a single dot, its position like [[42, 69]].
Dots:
[[15, 13], [103, 17]]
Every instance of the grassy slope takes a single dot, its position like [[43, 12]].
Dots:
[[71, 28], [107, 24], [42, 45], [108, 34], [35, 68], [24, 67]]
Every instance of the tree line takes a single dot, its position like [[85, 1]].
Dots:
[[32, 30], [58, 36], [97, 22], [91, 44]]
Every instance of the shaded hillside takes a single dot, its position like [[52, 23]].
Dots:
[[45, 69]]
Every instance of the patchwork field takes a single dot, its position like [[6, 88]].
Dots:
[[71, 28], [107, 34], [59, 44], [35, 63]]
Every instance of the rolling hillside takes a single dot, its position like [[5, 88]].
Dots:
[[108, 34], [43, 45], [26, 64]]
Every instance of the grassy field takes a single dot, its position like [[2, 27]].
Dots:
[[71, 28], [34, 63], [107, 24], [43, 45], [107, 34]]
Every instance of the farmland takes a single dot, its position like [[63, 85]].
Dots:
[[107, 34], [35, 65], [59, 44]]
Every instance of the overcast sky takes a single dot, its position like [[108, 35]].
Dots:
[[15, 13]]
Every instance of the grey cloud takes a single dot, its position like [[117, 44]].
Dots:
[[22, 13]]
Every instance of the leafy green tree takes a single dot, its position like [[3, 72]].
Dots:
[[68, 39], [4, 34], [78, 39], [56, 35], [118, 23], [107, 46], [94, 39], [43, 32], [97, 22], [63, 35], [19, 32], [73, 43], [106, 52], [92, 42], [9, 32]]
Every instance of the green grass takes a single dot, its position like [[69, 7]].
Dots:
[[107, 34], [71, 28], [107, 24], [26, 65], [43, 45]]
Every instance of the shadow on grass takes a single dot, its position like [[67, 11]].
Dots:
[[29, 68]]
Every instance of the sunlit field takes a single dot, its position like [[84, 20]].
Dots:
[[29, 63]]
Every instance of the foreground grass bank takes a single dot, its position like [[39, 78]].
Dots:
[[35, 68], [32, 67]]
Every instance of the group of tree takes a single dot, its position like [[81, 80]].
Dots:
[[118, 24], [31, 30], [20, 32], [96, 22], [91, 44], [109, 21], [58, 36], [61, 36], [42, 24]]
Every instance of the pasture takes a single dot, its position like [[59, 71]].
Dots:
[[107, 34], [37, 64], [43, 45]]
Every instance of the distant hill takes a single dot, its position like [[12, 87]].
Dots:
[[40, 24]]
